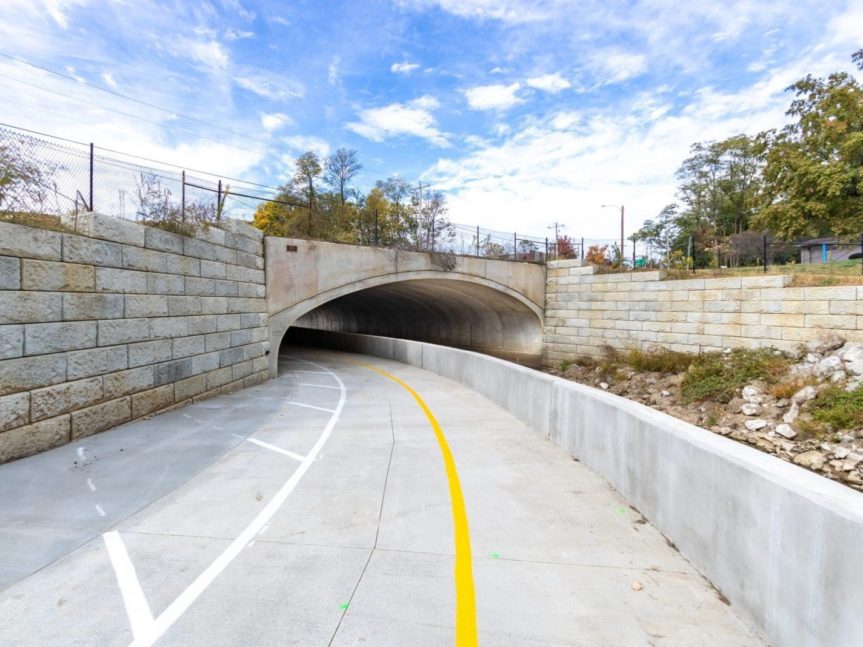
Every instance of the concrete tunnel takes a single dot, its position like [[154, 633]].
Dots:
[[456, 313]]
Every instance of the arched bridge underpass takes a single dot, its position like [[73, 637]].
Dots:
[[491, 306]]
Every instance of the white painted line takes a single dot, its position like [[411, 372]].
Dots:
[[250, 544], [200, 422], [140, 616], [179, 606], [319, 386], [100, 510], [299, 370], [311, 406], [264, 529], [261, 443], [91, 485], [81, 451]]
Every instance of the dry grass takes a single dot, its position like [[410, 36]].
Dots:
[[786, 388], [37, 220], [802, 275]]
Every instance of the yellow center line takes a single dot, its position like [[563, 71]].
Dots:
[[465, 597]]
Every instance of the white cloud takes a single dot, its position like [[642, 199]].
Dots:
[[425, 102], [108, 78], [403, 68], [266, 85], [238, 34], [397, 119], [275, 120], [333, 70], [552, 83], [515, 11], [301, 143], [493, 97], [616, 67]]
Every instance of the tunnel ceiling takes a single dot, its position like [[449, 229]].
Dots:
[[441, 311]]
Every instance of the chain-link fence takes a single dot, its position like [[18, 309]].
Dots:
[[47, 177]]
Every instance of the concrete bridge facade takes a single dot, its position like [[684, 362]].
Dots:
[[492, 306]]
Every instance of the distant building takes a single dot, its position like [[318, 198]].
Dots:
[[828, 250]]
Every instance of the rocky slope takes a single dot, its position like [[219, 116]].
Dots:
[[782, 416]]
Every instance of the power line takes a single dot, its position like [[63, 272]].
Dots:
[[146, 159], [133, 99], [126, 114]]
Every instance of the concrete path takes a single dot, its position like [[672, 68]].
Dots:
[[317, 509]]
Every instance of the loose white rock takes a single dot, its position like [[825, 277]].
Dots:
[[855, 367], [792, 413], [755, 425], [603, 386], [750, 409], [826, 344], [812, 359], [804, 395], [841, 452], [829, 365], [752, 395], [786, 431], [665, 394]]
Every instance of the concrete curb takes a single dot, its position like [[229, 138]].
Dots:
[[784, 545]]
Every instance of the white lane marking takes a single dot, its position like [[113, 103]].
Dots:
[[264, 529], [311, 406], [81, 451], [261, 443], [100, 510], [250, 544], [200, 422], [140, 616], [179, 606], [299, 370], [91, 485], [319, 386]]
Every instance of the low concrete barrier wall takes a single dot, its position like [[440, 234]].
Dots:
[[784, 545]]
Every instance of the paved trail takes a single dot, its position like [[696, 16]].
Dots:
[[351, 501]]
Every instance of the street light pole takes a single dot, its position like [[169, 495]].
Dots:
[[613, 206]]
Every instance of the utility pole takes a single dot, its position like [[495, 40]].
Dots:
[[557, 226], [614, 206]]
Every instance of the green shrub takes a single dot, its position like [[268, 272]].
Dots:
[[718, 376], [838, 409], [659, 361]]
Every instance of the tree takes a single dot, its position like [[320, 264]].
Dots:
[[433, 221], [565, 247], [595, 255], [814, 170], [308, 169], [25, 184], [339, 169]]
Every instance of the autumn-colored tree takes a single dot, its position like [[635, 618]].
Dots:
[[595, 255]]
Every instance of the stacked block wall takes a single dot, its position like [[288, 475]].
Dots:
[[120, 321], [585, 311]]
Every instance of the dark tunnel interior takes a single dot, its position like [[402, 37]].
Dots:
[[448, 312]]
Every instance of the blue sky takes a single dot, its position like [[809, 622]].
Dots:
[[523, 112]]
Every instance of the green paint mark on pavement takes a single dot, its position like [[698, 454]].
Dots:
[[495, 555], [621, 510], [343, 606]]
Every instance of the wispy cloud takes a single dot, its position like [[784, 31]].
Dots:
[[403, 68], [275, 121], [397, 119]]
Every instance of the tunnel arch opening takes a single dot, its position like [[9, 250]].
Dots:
[[451, 312]]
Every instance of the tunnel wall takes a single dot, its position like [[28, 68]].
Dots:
[[781, 543], [479, 303], [452, 313]]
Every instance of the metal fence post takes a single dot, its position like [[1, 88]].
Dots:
[[219, 203], [91, 175], [765, 253], [514, 246], [183, 199], [376, 227], [546, 249], [477, 240]]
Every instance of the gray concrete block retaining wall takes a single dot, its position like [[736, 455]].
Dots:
[[781, 543], [122, 321], [585, 311]]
